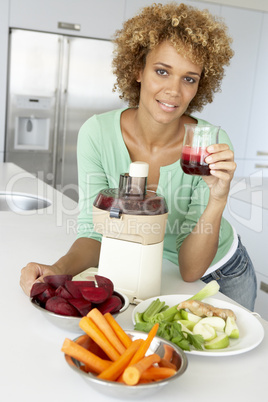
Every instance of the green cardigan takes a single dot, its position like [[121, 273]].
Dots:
[[103, 156]]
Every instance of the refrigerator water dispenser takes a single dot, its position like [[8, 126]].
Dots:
[[31, 133]]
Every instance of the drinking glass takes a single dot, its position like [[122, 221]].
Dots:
[[194, 149]]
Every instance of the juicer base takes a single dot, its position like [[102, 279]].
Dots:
[[134, 268]]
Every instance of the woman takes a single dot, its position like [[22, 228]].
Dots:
[[169, 61]]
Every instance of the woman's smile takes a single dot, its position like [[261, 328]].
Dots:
[[169, 107]]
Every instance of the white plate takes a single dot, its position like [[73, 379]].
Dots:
[[251, 331]]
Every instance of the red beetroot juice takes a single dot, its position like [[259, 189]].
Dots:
[[193, 161]]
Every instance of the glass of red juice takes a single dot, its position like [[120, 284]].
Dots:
[[194, 149]]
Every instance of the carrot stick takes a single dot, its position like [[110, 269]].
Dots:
[[85, 341], [142, 349], [117, 367], [91, 329], [132, 374], [144, 381], [168, 352], [124, 338], [145, 345], [82, 339], [165, 363], [78, 352], [105, 327], [157, 373], [120, 378]]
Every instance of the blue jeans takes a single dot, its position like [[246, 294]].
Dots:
[[237, 278]]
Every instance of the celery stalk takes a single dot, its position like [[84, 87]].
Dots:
[[166, 315], [139, 317], [158, 311], [210, 289], [152, 310]]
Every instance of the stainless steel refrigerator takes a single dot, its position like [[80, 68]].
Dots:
[[56, 83]]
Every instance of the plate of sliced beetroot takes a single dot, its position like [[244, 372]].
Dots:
[[64, 301]]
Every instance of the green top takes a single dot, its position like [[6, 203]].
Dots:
[[103, 156]]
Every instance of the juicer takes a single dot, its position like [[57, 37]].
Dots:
[[132, 221]]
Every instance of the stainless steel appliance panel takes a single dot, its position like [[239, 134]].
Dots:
[[32, 97], [87, 90], [56, 82]]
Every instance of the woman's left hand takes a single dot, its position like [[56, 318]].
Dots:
[[222, 167]]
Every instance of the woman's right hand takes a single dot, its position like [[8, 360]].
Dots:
[[34, 272], [83, 254]]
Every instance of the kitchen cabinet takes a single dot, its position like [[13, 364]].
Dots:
[[239, 172], [257, 144], [247, 211], [261, 305], [255, 166], [231, 108], [238, 85], [244, 91], [90, 18], [250, 219]]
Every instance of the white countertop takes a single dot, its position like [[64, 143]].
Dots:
[[32, 364]]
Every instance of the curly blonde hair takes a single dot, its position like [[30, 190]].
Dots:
[[196, 34]]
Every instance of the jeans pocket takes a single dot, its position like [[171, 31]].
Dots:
[[236, 266]]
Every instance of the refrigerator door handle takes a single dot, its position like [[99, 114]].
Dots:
[[65, 109], [57, 111], [67, 25]]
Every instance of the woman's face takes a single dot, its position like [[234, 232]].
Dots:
[[168, 84]]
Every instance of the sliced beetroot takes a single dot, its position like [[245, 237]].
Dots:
[[38, 287], [82, 305], [63, 292], [106, 283], [57, 280], [95, 295], [112, 305], [63, 296], [45, 295], [75, 287], [61, 306]]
